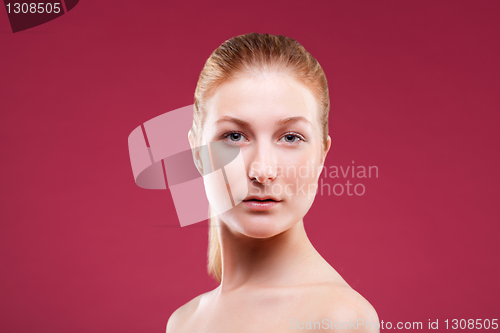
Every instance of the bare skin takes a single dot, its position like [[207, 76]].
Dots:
[[273, 279], [289, 284]]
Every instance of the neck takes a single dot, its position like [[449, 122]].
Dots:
[[280, 260]]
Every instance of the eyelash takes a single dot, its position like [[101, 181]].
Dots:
[[297, 135], [226, 135]]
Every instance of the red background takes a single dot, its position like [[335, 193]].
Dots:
[[414, 89]]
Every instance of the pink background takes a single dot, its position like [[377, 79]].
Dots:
[[414, 88]]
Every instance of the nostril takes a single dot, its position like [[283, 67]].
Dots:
[[262, 172]]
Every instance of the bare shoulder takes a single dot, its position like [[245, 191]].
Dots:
[[180, 316], [346, 309]]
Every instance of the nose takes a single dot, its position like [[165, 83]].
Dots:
[[263, 165]]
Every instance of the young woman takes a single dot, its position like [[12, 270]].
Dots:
[[269, 96]]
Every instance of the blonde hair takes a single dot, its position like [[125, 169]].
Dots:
[[255, 53]]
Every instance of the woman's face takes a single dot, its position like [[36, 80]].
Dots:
[[273, 119]]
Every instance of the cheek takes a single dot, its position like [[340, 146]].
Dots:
[[226, 186], [300, 169], [300, 183]]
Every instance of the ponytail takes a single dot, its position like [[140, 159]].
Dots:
[[214, 250]]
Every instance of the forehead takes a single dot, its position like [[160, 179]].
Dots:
[[262, 100]]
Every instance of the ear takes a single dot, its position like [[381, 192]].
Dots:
[[196, 152], [327, 148], [191, 138]]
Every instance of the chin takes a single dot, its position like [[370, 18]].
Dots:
[[256, 225]]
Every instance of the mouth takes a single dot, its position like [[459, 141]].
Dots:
[[260, 204]]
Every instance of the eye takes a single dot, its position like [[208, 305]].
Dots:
[[234, 136], [292, 137]]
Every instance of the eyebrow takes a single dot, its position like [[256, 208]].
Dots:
[[292, 120], [279, 122], [232, 119]]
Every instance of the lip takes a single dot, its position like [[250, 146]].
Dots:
[[260, 204]]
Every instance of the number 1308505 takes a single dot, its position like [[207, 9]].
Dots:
[[40, 8]]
